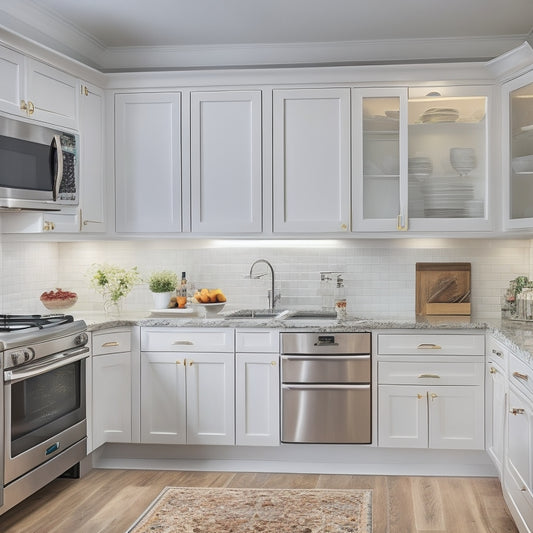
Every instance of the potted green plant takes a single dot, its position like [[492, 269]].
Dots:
[[162, 285]]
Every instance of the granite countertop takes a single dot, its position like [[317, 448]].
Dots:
[[516, 335]]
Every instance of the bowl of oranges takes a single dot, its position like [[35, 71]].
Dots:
[[212, 300]]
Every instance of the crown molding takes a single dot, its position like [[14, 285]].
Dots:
[[34, 22]]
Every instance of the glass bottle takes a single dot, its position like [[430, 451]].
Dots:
[[183, 285], [340, 299]]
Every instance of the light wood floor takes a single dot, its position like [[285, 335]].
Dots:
[[111, 500]]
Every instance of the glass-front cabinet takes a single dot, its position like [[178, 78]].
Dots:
[[379, 192], [518, 152], [421, 159]]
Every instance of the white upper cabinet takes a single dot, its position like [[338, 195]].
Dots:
[[148, 162], [379, 159], [12, 81], [311, 160], [449, 163], [226, 162], [53, 94], [517, 114], [32, 89], [92, 196]]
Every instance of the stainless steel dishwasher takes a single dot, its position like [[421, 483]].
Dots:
[[326, 388]]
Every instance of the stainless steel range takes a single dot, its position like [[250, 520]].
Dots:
[[44, 401]]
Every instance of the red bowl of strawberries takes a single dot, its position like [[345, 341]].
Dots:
[[58, 299]]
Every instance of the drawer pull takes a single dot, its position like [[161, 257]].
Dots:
[[273, 363], [110, 343], [517, 375], [191, 362], [433, 396], [496, 352], [421, 376], [178, 362], [428, 346], [420, 396], [183, 343], [493, 370], [517, 411]]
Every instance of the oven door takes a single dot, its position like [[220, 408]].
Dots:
[[44, 408]]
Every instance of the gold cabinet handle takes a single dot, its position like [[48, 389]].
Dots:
[[178, 362], [24, 106], [344, 227], [110, 343], [183, 343], [191, 362], [433, 396], [428, 346], [434, 376], [400, 226], [48, 226], [492, 370], [420, 396], [517, 375], [517, 411], [273, 363], [31, 108], [496, 352]]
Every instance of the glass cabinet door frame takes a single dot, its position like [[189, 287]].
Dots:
[[490, 162], [507, 173], [398, 222]]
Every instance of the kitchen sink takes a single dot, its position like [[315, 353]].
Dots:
[[282, 314], [254, 313], [311, 315]]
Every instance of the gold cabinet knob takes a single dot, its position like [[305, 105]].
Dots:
[[517, 411], [433, 396], [273, 363], [48, 226], [492, 370], [420, 396], [344, 227]]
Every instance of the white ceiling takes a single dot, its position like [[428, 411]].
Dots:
[[134, 34]]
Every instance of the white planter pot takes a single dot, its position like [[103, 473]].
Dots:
[[161, 299]]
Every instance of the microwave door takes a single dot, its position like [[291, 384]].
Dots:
[[56, 159]]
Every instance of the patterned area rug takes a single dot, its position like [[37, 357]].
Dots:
[[228, 510]]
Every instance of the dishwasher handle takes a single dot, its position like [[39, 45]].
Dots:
[[313, 357], [322, 386]]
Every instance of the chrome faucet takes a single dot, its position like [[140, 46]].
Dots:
[[272, 297]]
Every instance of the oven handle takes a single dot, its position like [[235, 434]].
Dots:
[[311, 357], [68, 357], [324, 386]]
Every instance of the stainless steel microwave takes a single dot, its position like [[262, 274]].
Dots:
[[39, 167]]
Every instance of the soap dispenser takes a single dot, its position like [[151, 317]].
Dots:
[[340, 298]]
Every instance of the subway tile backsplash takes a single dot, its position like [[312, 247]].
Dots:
[[379, 274]]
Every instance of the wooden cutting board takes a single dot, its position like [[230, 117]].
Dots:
[[443, 288]]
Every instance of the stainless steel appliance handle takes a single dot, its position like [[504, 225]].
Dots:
[[324, 386], [58, 178], [324, 357], [41, 367]]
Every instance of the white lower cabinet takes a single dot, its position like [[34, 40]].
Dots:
[[187, 400], [257, 388], [112, 399], [518, 468], [496, 402], [441, 417], [431, 401], [187, 395]]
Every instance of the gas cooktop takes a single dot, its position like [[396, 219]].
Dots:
[[10, 323]]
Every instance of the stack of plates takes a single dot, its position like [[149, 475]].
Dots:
[[447, 198], [416, 199], [420, 167], [440, 114]]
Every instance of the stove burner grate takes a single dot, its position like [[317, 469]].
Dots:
[[20, 322]]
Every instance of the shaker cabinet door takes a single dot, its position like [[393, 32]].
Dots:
[[148, 163], [311, 160], [226, 161]]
